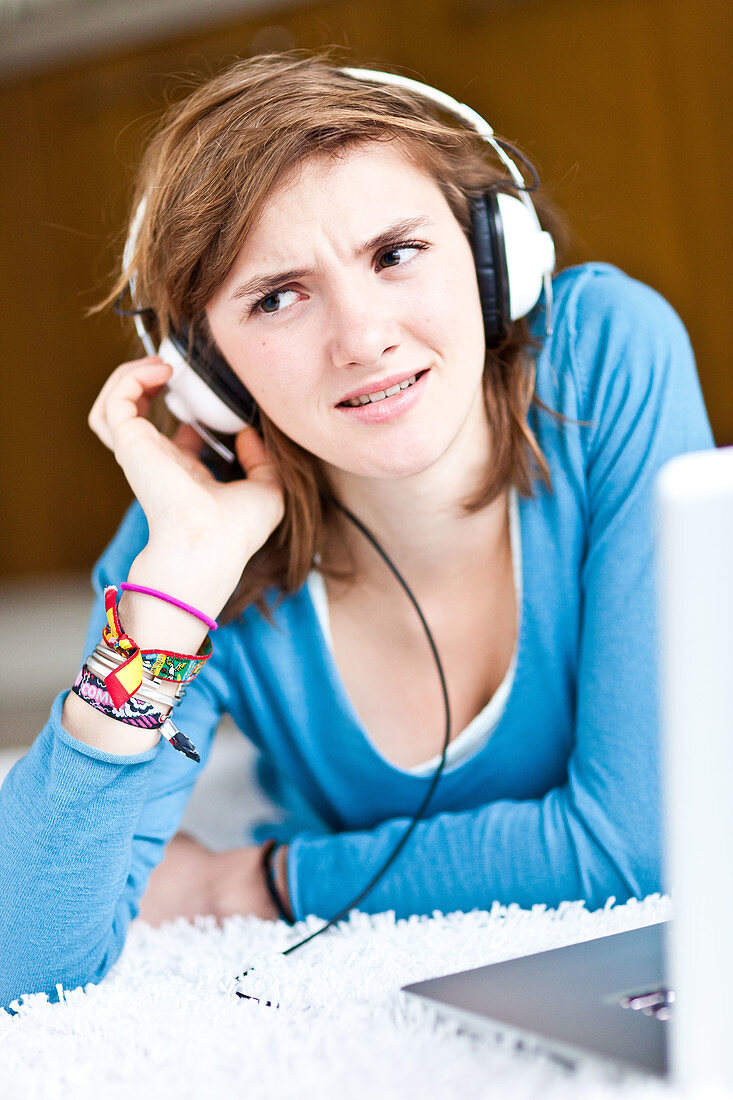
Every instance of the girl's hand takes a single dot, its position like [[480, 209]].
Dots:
[[181, 499], [193, 881]]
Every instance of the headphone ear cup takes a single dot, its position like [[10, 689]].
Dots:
[[529, 255], [487, 237], [512, 254], [191, 399]]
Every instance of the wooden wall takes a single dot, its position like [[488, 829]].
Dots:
[[617, 101]]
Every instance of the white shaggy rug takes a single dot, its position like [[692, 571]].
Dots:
[[166, 1022]]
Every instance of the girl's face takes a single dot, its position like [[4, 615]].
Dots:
[[357, 282]]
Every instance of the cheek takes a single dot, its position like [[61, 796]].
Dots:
[[278, 369], [451, 316], [282, 380], [271, 369], [452, 288]]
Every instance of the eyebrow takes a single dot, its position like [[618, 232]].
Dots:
[[260, 284]]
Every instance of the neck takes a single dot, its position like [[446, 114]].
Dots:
[[421, 520]]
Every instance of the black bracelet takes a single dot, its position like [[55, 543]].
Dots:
[[268, 852]]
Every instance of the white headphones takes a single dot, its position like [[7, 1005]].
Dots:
[[514, 257]]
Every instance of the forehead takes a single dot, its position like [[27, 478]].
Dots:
[[354, 193]]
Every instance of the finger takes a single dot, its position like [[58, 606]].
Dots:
[[122, 403], [253, 456], [96, 414], [126, 398], [120, 372]]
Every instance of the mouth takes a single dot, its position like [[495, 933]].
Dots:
[[375, 396]]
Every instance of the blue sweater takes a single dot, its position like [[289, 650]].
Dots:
[[561, 802]]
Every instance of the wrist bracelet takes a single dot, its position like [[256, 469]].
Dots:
[[126, 678], [164, 664], [179, 668], [268, 852], [135, 712], [116, 680], [202, 616], [102, 662]]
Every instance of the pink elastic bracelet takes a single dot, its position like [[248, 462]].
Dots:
[[211, 623]]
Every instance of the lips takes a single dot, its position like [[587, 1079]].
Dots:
[[385, 410], [379, 386]]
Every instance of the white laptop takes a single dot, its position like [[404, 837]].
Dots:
[[656, 999]]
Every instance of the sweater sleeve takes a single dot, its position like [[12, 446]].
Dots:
[[81, 829], [599, 834]]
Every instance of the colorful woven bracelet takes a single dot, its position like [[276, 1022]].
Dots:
[[126, 679], [133, 712], [177, 668], [128, 676], [103, 661]]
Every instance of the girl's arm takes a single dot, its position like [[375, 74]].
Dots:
[[85, 816], [82, 826]]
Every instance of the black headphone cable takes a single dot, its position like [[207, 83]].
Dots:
[[436, 775]]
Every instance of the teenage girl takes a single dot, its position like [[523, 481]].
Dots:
[[317, 234]]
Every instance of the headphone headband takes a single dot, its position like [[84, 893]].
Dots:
[[478, 123], [448, 103]]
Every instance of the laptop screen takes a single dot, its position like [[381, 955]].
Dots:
[[695, 588]]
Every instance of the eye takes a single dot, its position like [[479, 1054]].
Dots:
[[275, 301], [399, 254]]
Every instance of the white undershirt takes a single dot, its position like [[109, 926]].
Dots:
[[477, 732]]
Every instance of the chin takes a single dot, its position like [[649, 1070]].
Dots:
[[393, 463]]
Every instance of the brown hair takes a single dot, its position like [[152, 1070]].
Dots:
[[216, 157]]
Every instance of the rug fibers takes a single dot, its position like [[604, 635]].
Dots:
[[166, 1021]]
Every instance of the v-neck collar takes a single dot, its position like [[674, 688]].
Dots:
[[476, 735]]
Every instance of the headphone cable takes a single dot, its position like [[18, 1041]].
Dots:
[[436, 775], [446, 740]]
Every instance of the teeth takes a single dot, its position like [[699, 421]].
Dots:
[[379, 395]]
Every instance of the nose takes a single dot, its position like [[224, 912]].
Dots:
[[362, 328]]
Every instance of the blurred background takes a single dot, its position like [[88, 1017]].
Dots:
[[619, 103]]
